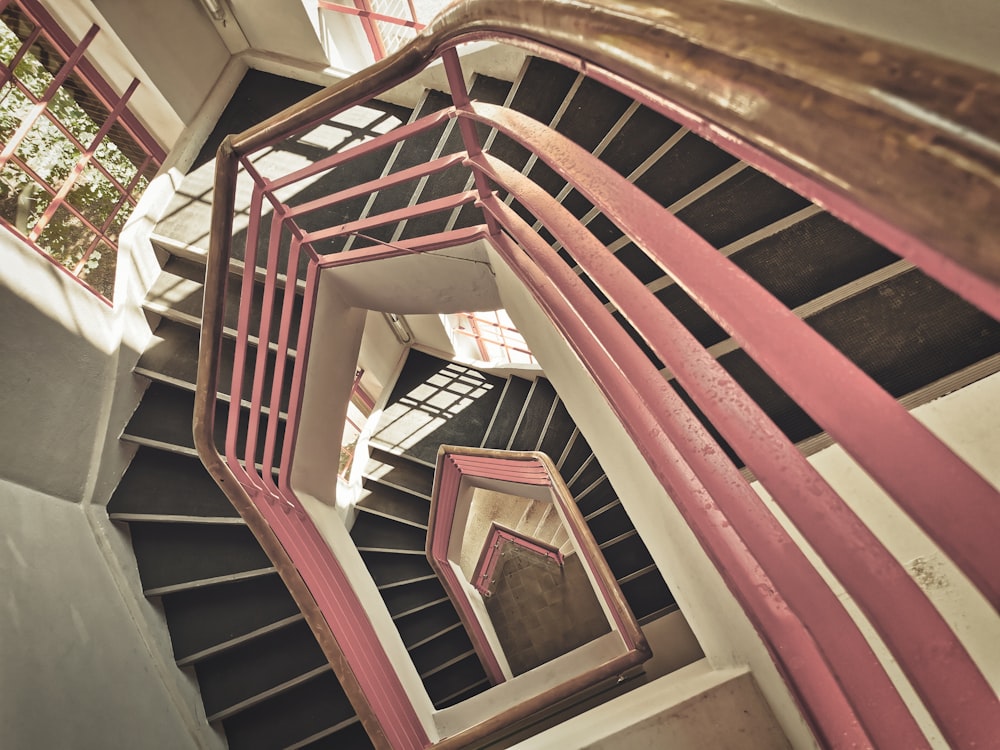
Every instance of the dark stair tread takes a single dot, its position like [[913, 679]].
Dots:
[[388, 568], [399, 472], [173, 554], [455, 678], [163, 483], [409, 598], [534, 417], [379, 533], [392, 503], [558, 433], [349, 737], [452, 401], [596, 497], [627, 556], [293, 716], [507, 412], [172, 357], [471, 691], [200, 619], [647, 594], [163, 418], [444, 648], [609, 522], [484, 89], [431, 621], [415, 150], [575, 457], [251, 669], [178, 293]]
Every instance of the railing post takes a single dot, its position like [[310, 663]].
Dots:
[[460, 98]]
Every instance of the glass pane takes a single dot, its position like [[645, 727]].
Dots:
[[14, 107], [99, 269], [14, 28], [22, 202], [94, 195], [112, 159], [66, 238], [38, 67], [76, 107], [48, 152]]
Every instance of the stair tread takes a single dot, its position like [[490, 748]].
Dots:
[[376, 532], [534, 417], [158, 482], [394, 503], [507, 412], [397, 472]]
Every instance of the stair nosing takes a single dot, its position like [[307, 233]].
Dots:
[[521, 415], [393, 551], [603, 509], [406, 582], [323, 733], [441, 667], [383, 514], [617, 539], [496, 412], [590, 488], [269, 693], [174, 588], [131, 517], [428, 639], [190, 387], [419, 608], [638, 574], [466, 689]]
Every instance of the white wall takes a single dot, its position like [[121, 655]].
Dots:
[[963, 30]]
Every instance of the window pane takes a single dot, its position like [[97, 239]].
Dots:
[[66, 238], [14, 28], [48, 152], [113, 155], [99, 269], [79, 110], [38, 67], [94, 195], [14, 107], [22, 202]]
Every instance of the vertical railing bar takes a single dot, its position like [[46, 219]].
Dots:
[[278, 375], [945, 676], [460, 98], [242, 339], [263, 341]]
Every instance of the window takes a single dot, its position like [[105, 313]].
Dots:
[[73, 159]]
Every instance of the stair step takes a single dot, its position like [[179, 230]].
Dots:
[[456, 179], [239, 641], [436, 402], [400, 473], [647, 593], [178, 293], [294, 715], [203, 619], [394, 504], [171, 555], [558, 433], [596, 496], [389, 569], [534, 416], [432, 621], [163, 419], [454, 680], [244, 673], [403, 599], [609, 522], [172, 358], [507, 413], [440, 649], [627, 556], [168, 484], [584, 477], [372, 532], [575, 456]]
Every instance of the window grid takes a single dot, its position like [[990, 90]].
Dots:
[[74, 182]]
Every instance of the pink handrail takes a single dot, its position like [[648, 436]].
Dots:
[[842, 689]]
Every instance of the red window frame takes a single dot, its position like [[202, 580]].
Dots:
[[113, 160]]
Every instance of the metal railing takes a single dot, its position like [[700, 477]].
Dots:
[[697, 65]]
